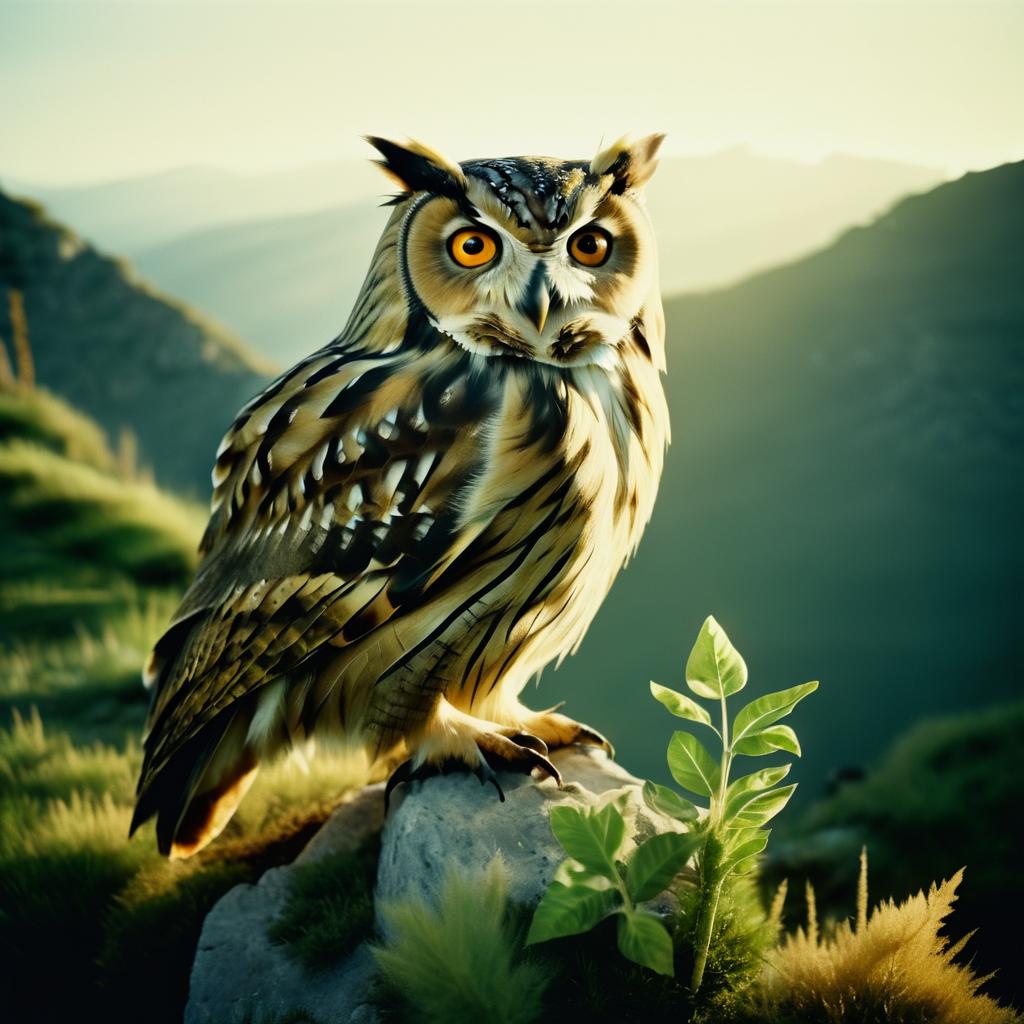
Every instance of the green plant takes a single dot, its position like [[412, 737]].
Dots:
[[596, 882], [731, 833], [456, 961]]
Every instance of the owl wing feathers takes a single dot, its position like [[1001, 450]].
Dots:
[[335, 505]]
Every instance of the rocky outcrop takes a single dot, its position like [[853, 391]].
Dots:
[[241, 975]]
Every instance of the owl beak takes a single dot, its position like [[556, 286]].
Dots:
[[537, 300]]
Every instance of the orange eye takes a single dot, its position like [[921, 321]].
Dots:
[[591, 246], [472, 247]]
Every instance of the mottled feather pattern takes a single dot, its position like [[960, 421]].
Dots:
[[400, 520]]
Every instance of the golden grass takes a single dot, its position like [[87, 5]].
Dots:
[[891, 965]]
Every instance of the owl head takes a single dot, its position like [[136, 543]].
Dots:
[[529, 257]]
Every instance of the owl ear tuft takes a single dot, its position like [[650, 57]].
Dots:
[[630, 164], [417, 168]]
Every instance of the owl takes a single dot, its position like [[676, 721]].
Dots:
[[413, 521]]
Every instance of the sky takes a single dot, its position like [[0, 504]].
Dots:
[[99, 91]]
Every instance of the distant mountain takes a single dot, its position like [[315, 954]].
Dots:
[[134, 214], [280, 258], [113, 347], [845, 487], [287, 284], [719, 218]]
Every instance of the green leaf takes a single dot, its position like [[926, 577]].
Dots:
[[680, 705], [657, 861], [734, 838], [775, 737], [714, 668], [569, 910], [668, 802], [767, 710], [691, 765], [753, 783], [592, 837], [742, 857], [645, 940], [760, 808]]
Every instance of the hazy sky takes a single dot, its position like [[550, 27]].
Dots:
[[100, 90]]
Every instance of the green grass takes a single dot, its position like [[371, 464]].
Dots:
[[329, 910], [94, 563], [79, 544], [43, 419], [111, 916], [455, 961]]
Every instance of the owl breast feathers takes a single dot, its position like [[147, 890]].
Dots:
[[414, 520]]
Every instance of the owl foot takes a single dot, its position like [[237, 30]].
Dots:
[[519, 752], [558, 730]]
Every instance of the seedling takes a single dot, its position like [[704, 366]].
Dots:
[[731, 832], [726, 836]]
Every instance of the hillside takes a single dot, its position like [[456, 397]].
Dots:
[[280, 258], [94, 562], [119, 350], [845, 485], [80, 537]]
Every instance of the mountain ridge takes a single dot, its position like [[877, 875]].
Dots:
[[120, 350], [844, 484]]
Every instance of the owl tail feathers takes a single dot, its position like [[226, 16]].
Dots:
[[194, 796]]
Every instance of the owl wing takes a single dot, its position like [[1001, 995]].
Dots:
[[335, 506]]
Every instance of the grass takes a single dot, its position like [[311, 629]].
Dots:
[[454, 962], [329, 910], [36, 416], [76, 513], [892, 966], [954, 777], [111, 915], [94, 562]]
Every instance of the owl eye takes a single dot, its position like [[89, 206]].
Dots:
[[591, 246], [472, 247]]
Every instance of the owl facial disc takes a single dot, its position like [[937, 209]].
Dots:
[[529, 257]]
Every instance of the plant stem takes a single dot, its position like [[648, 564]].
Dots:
[[620, 884], [711, 889], [718, 799], [711, 859]]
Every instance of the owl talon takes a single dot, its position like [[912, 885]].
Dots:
[[518, 753], [592, 738], [485, 773], [403, 773], [525, 739], [558, 730]]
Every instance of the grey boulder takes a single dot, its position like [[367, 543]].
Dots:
[[450, 821]]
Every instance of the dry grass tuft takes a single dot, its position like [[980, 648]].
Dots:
[[892, 965]]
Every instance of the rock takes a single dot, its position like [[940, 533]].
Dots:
[[240, 975], [451, 820]]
